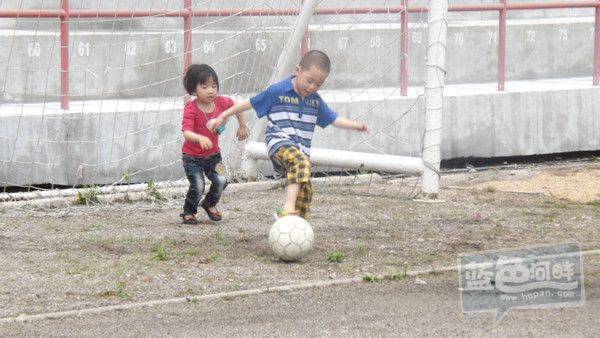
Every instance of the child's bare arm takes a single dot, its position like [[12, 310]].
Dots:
[[190, 136], [242, 132], [237, 109], [342, 122]]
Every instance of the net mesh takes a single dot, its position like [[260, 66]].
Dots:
[[121, 133]]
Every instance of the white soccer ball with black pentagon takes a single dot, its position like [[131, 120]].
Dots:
[[291, 238]]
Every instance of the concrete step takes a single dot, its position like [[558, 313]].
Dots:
[[133, 64]]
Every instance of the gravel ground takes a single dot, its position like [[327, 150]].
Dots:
[[82, 257]]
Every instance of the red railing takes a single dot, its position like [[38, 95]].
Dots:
[[187, 13]]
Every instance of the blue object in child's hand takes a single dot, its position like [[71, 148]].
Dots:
[[219, 128]]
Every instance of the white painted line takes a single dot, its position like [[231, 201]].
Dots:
[[223, 295]]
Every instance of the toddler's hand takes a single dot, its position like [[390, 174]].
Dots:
[[361, 126], [205, 142], [242, 133], [213, 124]]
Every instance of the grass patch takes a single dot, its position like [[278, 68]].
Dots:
[[211, 258], [88, 195], [396, 276], [219, 236], [161, 253], [490, 189], [335, 256], [371, 278], [119, 291], [435, 272], [152, 190], [596, 205], [560, 204], [362, 170]]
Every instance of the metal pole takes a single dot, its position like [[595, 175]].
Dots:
[[304, 44], [404, 49], [502, 46], [597, 47], [64, 55], [187, 38]]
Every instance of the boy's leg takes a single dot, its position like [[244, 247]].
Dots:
[[297, 171], [304, 199], [291, 196], [193, 171]]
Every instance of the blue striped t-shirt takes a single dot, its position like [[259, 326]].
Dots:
[[292, 119]]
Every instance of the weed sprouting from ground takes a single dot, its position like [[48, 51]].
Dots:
[[334, 256], [219, 236], [88, 195], [371, 278], [161, 253], [397, 276], [153, 190], [119, 291]]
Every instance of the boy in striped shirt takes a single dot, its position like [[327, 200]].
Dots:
[[293, 109]]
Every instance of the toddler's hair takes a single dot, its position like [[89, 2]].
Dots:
[[315, 58], [198, 74]]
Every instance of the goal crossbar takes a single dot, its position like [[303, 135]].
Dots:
[[350, 159]]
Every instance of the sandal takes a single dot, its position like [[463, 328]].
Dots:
[[189, 219], [214, 216]]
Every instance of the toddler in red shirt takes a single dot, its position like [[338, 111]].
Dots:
[[201, 153]]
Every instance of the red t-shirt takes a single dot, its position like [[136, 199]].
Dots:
[[195, 120]]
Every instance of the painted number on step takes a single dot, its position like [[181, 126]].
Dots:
[[459, 39], [563, 34], [343, 42], [417, 37], [83, 49], [375, 41], [34, 49], [208, 46], [530, 36], [130, 48], [170, 47], [260, 45], [493, 38]]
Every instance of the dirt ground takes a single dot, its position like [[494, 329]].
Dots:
[[79, 257], [575, 183]]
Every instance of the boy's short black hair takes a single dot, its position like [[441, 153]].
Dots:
[[198, 74], [315, 58]]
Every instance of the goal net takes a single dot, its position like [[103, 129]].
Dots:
[[92, 95]]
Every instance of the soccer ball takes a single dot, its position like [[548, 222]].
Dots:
[[291, 238]]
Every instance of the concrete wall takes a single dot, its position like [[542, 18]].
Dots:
[[41, 144], [94, 143], [126, 87]]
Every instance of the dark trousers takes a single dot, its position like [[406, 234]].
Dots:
[[195, 168]]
